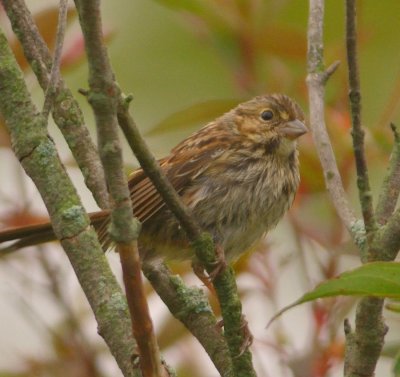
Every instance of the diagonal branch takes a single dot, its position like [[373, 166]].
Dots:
[[151, 167], [66, 112]]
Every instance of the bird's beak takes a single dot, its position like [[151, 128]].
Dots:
[[293, 129]]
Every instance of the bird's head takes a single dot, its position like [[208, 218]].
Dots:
[[275, 121]]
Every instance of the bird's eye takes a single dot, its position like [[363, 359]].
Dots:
[[267, 115]]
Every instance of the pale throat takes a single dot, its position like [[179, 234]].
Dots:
[[286, 147]]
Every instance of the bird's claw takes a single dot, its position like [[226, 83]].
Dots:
[[247, 336], [220, 263]]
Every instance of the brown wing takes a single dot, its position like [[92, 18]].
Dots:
[[187, 161], [145, 197], [180, 172]]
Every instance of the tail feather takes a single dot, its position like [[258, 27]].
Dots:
[[36, 234], [12, 234]]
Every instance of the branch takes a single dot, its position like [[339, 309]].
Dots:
[[387, 241], [364, 345], [190, 306], [316, 80], [224, 282], [55, 67], [38, 156], [124, 229], [142, 325], [364, 189], [66, 112], [390, 190]]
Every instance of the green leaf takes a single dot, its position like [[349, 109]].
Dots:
[[192, 116], [380, 279]]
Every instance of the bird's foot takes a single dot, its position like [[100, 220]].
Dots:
[[220, 265], [247, 337]]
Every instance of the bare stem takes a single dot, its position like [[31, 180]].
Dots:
[[142, 326], [364, 344], [55, 67], [364, 189], [316, 80], [391, 184]]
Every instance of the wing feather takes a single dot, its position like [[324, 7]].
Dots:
[[180, 172], [181, 167]]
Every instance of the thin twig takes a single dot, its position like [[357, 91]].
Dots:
[[66, 112], [364, 189], [55, 67], [124, 228], [390, 190], [142, 326], [316, 80]]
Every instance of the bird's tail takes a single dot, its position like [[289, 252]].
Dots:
[[36, 234]]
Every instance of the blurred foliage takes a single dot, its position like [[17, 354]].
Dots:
[[186, 62]]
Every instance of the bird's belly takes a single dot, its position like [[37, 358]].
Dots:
[[237, 216], [240, 238], [243, 216]]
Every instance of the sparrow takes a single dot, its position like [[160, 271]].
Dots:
[[238, 175]]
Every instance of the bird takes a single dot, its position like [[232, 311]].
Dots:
[[238, 175]]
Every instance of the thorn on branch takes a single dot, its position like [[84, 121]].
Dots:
[[395, 133], [347, 327], [128, 99], [84, 92], [330, 71]]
